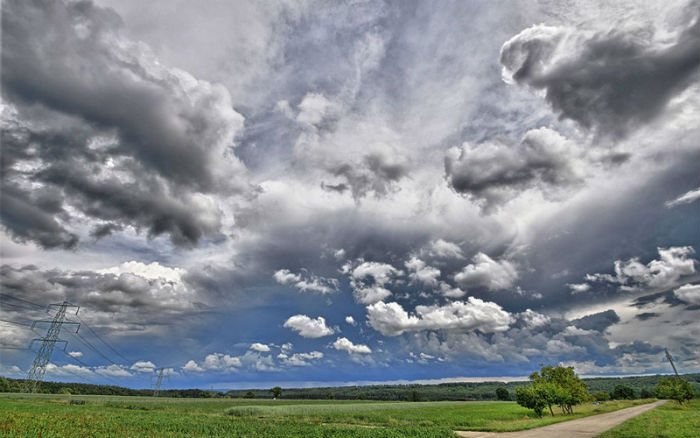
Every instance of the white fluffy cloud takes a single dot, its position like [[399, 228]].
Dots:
[[221, 362], [350, 320], [193, 367], [487, 272], [686, 198], [311, 283], [347, 345], [75, 354], [578, 288], [391, 319], [143, 366], [443, 249], [534, 319], [690, 293], [421, 273], [368, 281], [665, 272], [262, 348], [309, 327], [302, 359]]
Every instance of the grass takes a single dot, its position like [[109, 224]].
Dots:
[[54, 416], [666, 421]]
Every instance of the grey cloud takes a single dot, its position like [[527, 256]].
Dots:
[[375, 173], [607, 81], [597, 321], [495, 172], [116, 135]]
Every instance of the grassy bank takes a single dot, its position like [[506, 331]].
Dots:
[[666, 421]]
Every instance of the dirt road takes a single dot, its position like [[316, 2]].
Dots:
[[582, 428]]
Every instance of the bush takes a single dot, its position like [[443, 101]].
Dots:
[[601, 396], [674, 388], [249, 394], [528, 397], [646, 394], [623, 392], [502, 394], [77, 402]]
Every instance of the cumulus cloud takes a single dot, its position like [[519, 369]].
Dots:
[[113, 371], [442, 249], [419, 272], [221, 362], [98, 128], [347, 345], [665, 272], [608, 81], [689, 293], [309, 327], [391, 319], [495, 172], [143, 366], [534, 319], [487, 272], [192, 367], [686, 198], [578, 288], [350, 320], [368, 281], [311, 283], [262, 348], [114, 297], [75, 353], [302, 359]]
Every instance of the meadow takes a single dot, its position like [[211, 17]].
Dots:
[[49, 415], [667, 421]]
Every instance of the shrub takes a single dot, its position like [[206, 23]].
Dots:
[[527, 397], [674, 388], [601, 396], [623, 392], [502, 394]]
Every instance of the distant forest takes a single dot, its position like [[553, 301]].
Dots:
[[642, 385]]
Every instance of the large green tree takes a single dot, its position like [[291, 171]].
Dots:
[[674, 388], [555, 386]]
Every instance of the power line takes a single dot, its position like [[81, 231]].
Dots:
[[104, 341], [19, 306], [22, 300], [93, 348], [15, 322]]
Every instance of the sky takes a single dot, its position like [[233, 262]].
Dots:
[[306, 193]]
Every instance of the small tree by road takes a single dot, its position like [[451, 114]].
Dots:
[[674, 388]]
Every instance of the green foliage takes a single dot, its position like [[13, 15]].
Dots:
[[623, 392], [674, 388], [667, 421], [276, 392], [414, 397], [502, 394], [601, 396], [330, 396], [531, 398], [249, 394], [559, 386], [24, 415], [645, 393]]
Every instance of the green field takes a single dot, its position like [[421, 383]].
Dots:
[[47, 415], [667, 421]]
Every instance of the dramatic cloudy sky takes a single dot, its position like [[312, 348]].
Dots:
[[296, 193]]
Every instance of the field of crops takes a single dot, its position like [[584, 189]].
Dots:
[[97, 416]]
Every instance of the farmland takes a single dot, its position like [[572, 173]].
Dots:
[[77, 416], [668, 421]]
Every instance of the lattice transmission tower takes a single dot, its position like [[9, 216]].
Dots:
[[159, 381], [48, 342]]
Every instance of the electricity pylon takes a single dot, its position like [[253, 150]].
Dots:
[[159, 381], [48, 342], [670, 359]]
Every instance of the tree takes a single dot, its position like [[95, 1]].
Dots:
[[623, 392], [528, 397], [414, 396], [601, 396], [567, 389], [646, 394], [249, 394], [674, 388], [276, 392], [330, 396], [502, 394]]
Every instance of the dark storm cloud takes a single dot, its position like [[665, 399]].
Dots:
[[609, 81], [374, 174], [114, 134], [127, 299], [598, 321], [495, 172]]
